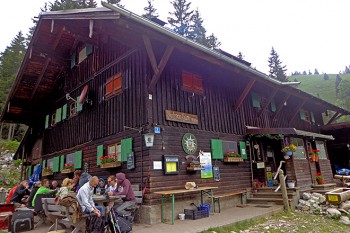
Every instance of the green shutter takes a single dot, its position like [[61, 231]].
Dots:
[[61, 162], [216, 149], [56, 164], [312, 117], [44, 163], [273, 106], [126, 148], [79, 106], [64, 111], [29, 171], [256, 100], [99, 154], [78, 159], [47, 121], [302, 114], [243, 150], [58, 116], [89, 49]]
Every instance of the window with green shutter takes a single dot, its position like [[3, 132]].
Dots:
[[58, 115], [312, 117], [44, 163], [126, 145], [29, 171], [243, 150], [79, 106], [61, 162], [302, 114], [256, 100], [78, 159], [99, 154], [216, 149], [56, 164], [47, 121], [64, 112]]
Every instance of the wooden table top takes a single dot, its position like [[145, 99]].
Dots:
[[169, 192]]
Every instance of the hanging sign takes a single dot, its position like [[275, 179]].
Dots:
[[181, 117], [216, 173], [205, 160], [131, 161]]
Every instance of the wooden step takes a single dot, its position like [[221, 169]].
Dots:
[[324, 186], [272, 195], [266, 200]]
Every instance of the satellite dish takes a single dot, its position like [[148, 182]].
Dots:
[[83, 94]]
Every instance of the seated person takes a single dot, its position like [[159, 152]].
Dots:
[[44, 189], [123, 188], [84, 197], [76, 178], [20, 192], [36, 187], [55, 186], [12, 191], [67, 186], [101, 187]]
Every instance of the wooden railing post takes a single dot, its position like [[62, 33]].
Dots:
[[284, 190]]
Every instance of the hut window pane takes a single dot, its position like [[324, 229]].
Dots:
[[229, 146], [70, 158], [321, 147], [300, 152], [53, 119], [72, 109], [192, 82], [113, 85]]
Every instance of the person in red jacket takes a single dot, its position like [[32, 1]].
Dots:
[[12, 191], [123, 188]]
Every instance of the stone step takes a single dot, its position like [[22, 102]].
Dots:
[[272, 190], [266, 200], [272, 194]]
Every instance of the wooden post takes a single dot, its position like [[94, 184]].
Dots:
[[283, 190]]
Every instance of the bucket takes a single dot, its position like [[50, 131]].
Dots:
[[182, 216], [291, 185]]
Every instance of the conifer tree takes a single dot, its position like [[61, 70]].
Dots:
[[150, 11], [180, 19], [197, 31], [277, 71]]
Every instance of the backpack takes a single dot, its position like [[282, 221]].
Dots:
[[95, 224], [118, 224], [84, 178], [70, 201]]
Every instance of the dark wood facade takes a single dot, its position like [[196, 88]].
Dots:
[[151, 64]]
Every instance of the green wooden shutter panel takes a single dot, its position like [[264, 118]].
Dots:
[[61, 162], [243, 150], [273, 106], [99, 154], [216, 149], [302, 115], [312, 117], [64, 111], [58, 116], [256, 100], [79, 106], [126, 148], [47, 121], [56, 164], [44, 163], [29, 171], [78, 159]]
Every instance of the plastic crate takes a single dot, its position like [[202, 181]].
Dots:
[[196, 214]]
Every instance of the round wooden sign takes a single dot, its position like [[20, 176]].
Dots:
[[189, 143]]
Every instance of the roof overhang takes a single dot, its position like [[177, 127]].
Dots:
[[287, 131]]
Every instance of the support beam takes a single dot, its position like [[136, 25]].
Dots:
[[161, 66], [150, 53], [333, 118], [272, 96], [43, 70], [244, 94], [296, 111], [280, 106]]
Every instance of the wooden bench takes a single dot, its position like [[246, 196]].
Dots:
[[218, 196], [62, 216]]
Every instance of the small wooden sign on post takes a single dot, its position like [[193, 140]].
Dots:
[[181, 117]]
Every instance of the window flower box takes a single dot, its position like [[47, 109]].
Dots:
[[109, 161], [47, 171], [233, 159], [111, 164], [68, 168]]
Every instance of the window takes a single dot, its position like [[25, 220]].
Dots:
[[53, 119], [299, 153], [229, 146], [70, 158], [49, 163], [192, 82], [320, 145], [256, 99], [72, 109], [115, 150], [113, 85], [305, 115]]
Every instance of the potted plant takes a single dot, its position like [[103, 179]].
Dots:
[[109, 161], [319, 178], [68, 168], [288, 150], [232, 156], [47, 171], [313, 155]]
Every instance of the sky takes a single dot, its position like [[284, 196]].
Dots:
[[307, 34]]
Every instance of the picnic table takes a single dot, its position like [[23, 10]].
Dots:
[[206, 190], [101, 199]]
